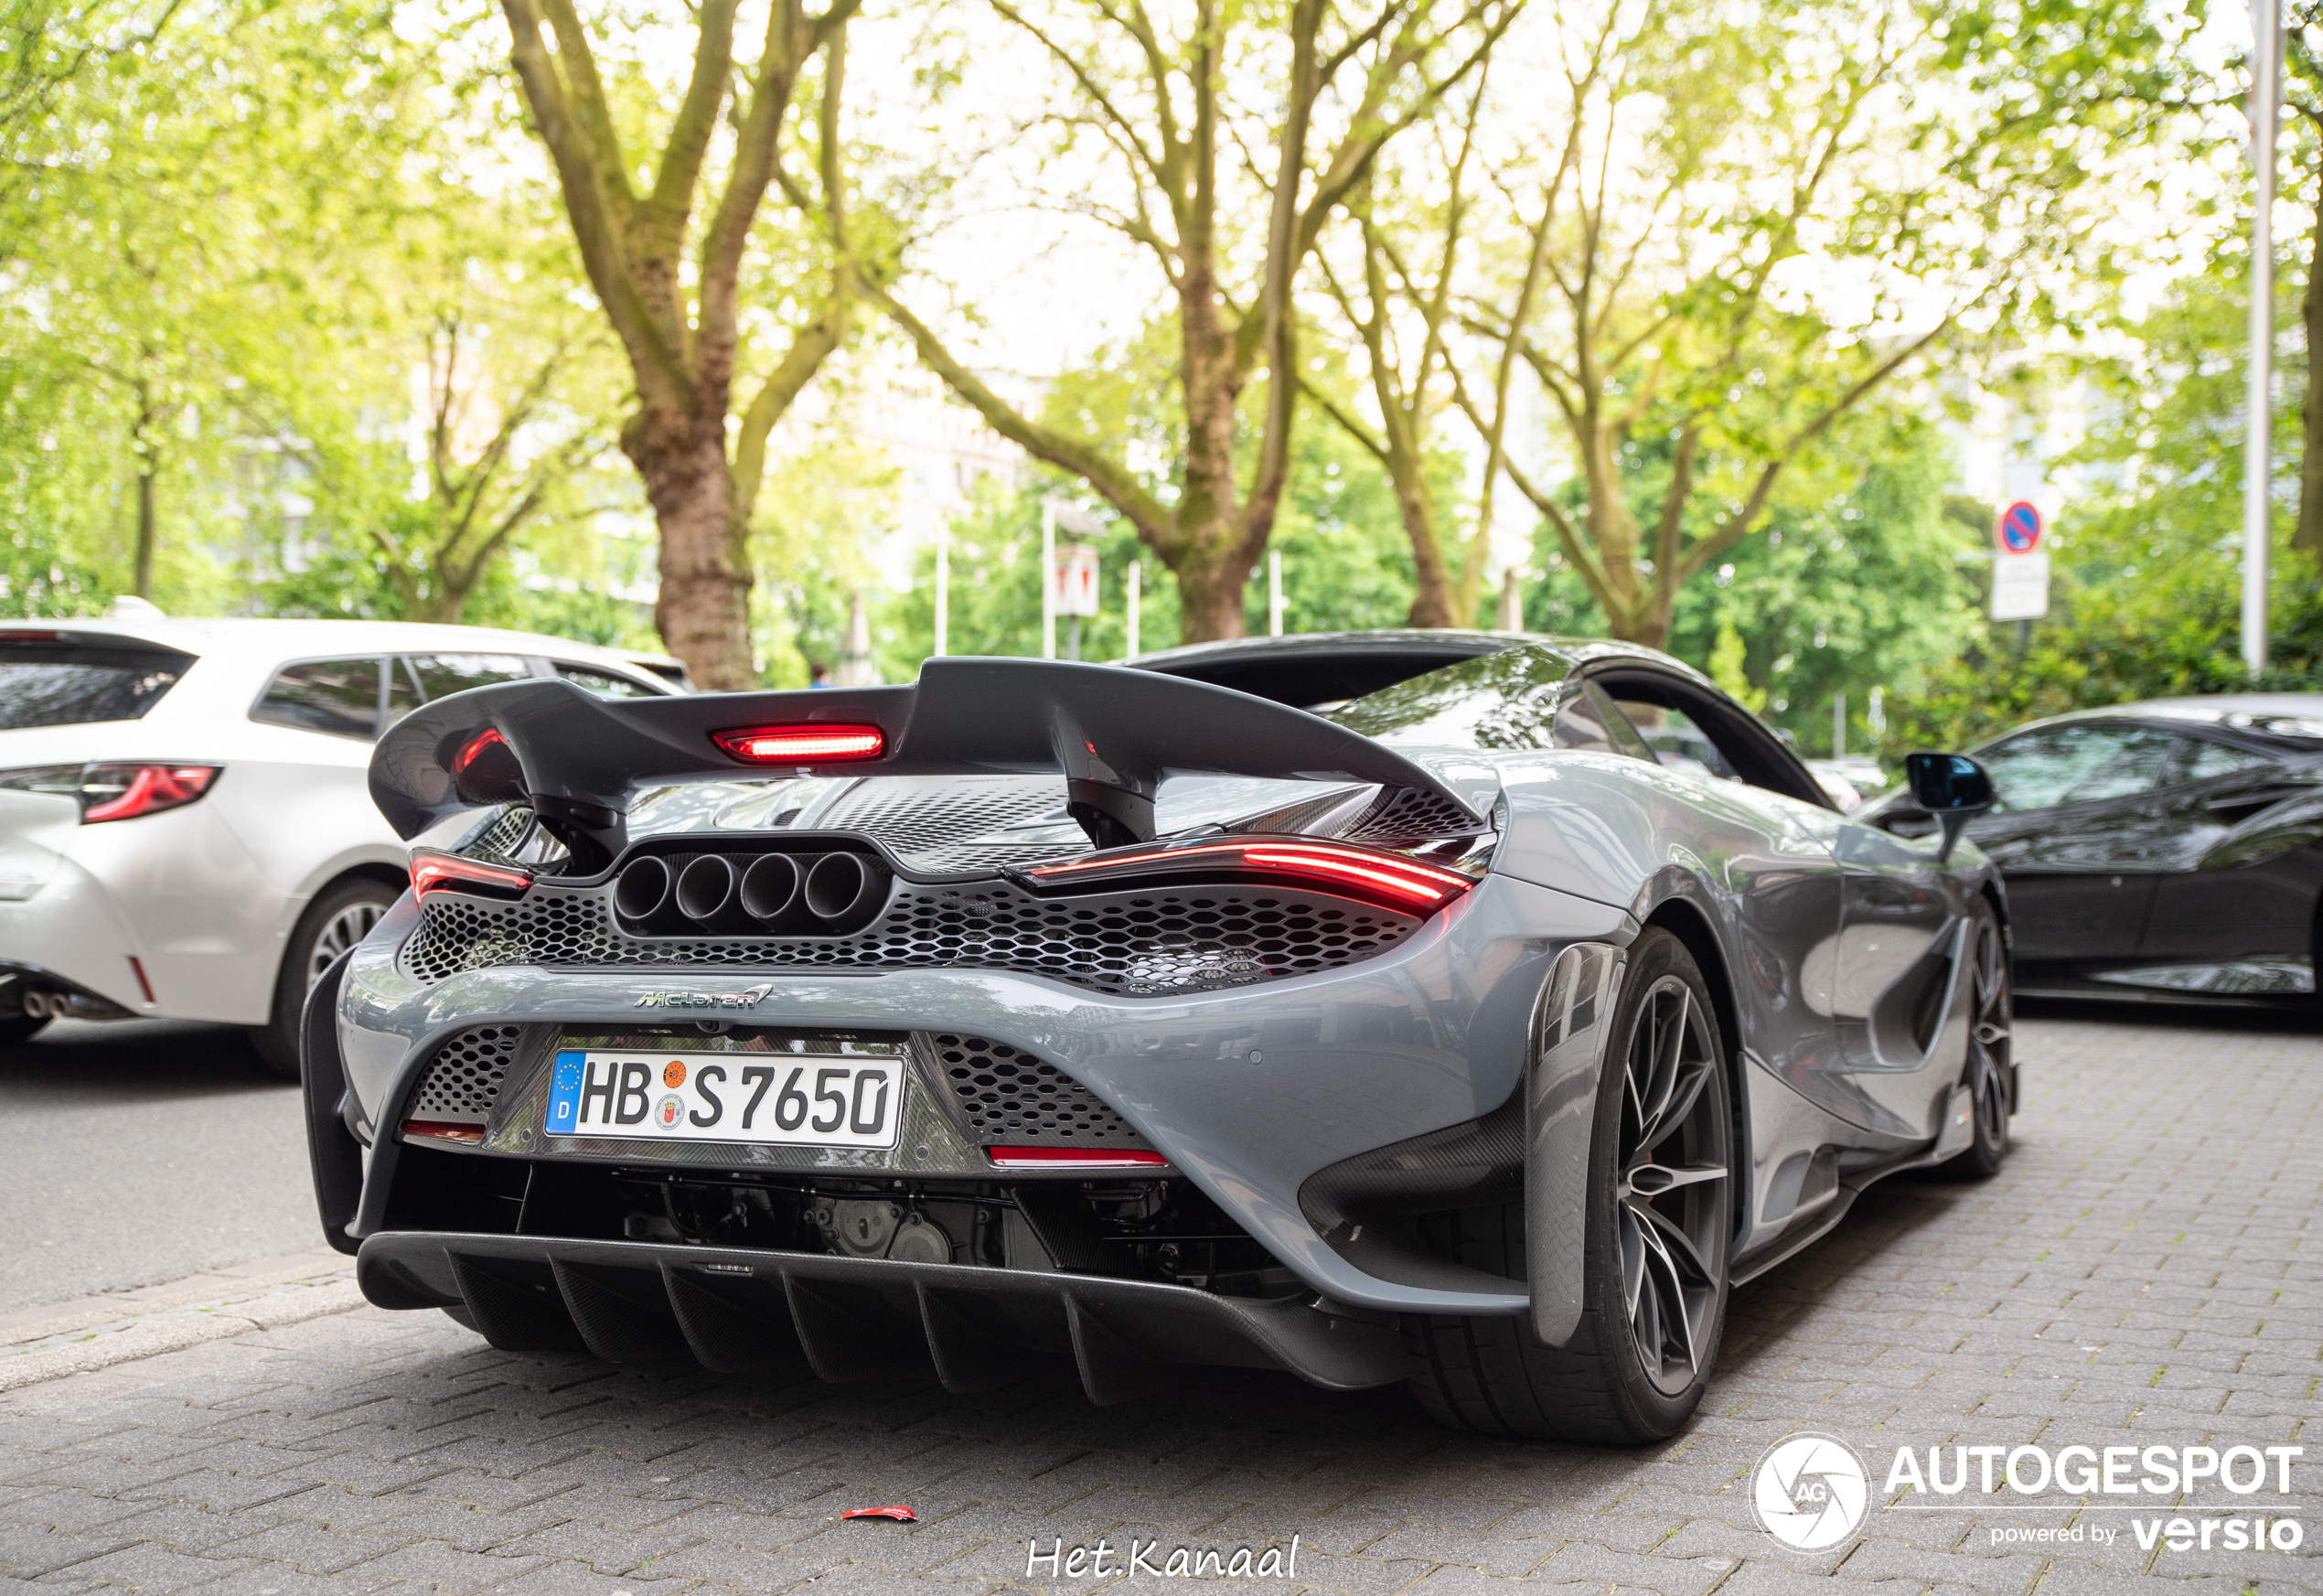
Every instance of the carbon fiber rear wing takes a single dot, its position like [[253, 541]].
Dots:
[[1110, 733]]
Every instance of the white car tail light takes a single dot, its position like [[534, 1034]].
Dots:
[[118, 792]]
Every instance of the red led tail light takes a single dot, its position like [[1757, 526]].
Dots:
[[1074, 1158], [1391, 879], [433, 872], [807, 744], [145, 789]]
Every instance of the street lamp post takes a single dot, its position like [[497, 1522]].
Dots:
[[2266, 93], [942, 590]]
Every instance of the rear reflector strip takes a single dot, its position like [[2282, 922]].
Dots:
[[443, 1130], [808, 744], [1074, 1158], [1391, 879], [433, 872]]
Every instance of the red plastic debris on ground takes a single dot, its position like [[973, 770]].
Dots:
[[900, 1515]]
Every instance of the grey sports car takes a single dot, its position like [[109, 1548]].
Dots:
[[1144, 1018]]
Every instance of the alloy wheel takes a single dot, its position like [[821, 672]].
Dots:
[[339, 933], [1988, 1074], [1672, 1155]]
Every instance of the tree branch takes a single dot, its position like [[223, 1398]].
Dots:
[[1154, 522]]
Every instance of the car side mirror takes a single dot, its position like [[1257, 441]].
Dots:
[[1952, 788]]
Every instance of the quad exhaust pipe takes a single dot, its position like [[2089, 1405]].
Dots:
[[761, 894]]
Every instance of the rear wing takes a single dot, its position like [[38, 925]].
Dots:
[[1110, 735]]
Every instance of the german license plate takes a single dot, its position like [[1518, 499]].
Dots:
[[815, 1100]]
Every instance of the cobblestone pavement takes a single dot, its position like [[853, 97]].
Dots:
[[2139, 1275]]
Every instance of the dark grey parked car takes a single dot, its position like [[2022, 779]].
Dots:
[[2165, 849], [1059, 1011]]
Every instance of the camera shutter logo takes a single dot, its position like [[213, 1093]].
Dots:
[[1810, 1491]]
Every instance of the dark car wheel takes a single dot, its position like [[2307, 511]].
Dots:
[[340, 916], [1989, 1071], [1661, 1220]]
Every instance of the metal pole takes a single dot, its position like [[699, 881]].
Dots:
[[1274, 594], [2266, 52], [1136, 597], [943, 589], [1073, 640], [1048, 581], [1839, 726]]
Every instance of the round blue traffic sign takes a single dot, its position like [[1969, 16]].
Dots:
[[2019, 529]]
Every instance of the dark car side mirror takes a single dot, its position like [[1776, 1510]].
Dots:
[[1952, 788]]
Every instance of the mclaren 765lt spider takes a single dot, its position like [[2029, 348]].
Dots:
[[1436, 1030]]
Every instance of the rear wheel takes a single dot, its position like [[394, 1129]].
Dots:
[[340, 916], [1989, 1071], [1661, 1220]]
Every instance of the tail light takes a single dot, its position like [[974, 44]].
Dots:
[[1073, 1158], [117, 792], [433, 872], [1374, 876], [485, 770], [808, 744]]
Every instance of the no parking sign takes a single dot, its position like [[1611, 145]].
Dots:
[[2020, 569], [2020, 528]]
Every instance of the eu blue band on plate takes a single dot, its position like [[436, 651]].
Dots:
[[564, 1094]]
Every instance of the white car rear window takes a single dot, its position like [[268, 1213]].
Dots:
[[51, 678]]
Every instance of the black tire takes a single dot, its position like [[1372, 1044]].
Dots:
[[19, 1028], [1989, 1071], [1494, 1375], [341, 916]]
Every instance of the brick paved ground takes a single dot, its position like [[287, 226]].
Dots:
[[2138, 1275]]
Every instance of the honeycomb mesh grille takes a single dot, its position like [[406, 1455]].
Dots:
[[1008, 1095], [463, 1081], [1408, 814], [502, 835], [1147, 944]]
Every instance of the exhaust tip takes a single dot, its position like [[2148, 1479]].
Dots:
[[705, 887], [841, 884], [642, 889], [770, 887]]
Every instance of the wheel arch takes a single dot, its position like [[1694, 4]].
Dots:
[[1989, 890], [393, 877], [1686, 920]]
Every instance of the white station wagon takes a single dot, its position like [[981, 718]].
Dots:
[[186, 829]]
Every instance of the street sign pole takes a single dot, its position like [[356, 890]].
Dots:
[[943, 589], [2265, 109], [2019, 569], [1048, 580]]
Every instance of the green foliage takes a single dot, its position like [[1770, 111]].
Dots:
[[1727, 667], [2146, 593], [820, 506], [1857, 582], [229, 243], [1346, 563]]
